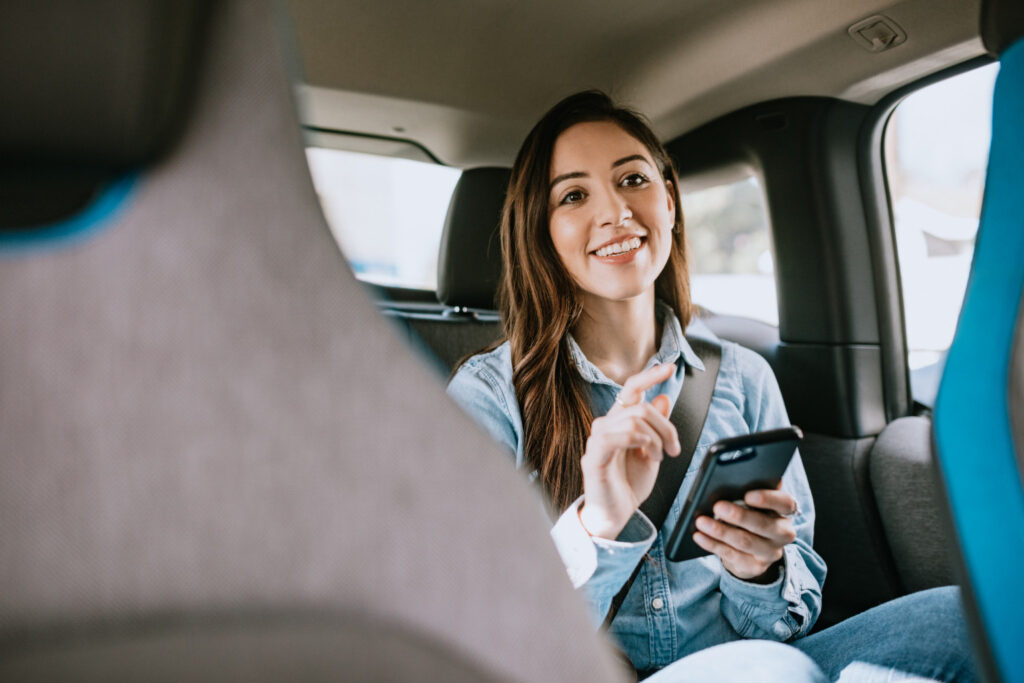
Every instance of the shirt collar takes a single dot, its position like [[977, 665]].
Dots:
[[673, 347]]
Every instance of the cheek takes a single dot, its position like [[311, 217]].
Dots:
[[564, 237], [668, 220], [664, 242]]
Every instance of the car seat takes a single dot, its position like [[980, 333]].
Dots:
[[217, 460]]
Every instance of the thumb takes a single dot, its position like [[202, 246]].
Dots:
[[661, 404]]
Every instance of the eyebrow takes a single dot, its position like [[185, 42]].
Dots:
[[581, 174]]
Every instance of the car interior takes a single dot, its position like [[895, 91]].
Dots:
[[227, 453]]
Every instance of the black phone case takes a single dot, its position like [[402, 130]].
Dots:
[[731, 467]]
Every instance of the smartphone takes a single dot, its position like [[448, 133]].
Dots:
[[732, 467]]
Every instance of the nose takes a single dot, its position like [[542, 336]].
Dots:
[[611, 208]]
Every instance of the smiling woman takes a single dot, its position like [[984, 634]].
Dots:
[[612, 230], [595, 300]]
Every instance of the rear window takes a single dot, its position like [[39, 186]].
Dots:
[[936, 152], [386, 213], [732, 271]]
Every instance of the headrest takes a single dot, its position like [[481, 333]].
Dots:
[[91, 90], [469, 262], [1002, 24]]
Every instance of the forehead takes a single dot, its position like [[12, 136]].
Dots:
[[592, 147]]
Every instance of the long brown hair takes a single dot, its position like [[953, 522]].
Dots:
[[539, 302]]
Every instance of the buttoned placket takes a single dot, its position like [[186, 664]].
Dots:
[[657, 605]]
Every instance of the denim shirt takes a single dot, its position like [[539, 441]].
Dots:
[[673, 608]]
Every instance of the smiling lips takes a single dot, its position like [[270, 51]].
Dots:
[[627, 245]]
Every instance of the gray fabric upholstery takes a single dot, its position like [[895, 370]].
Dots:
[[1016, 389], [469, 262], [203, 415], [270, 648], [905, 483]]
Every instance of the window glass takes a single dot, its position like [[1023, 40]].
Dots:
[[731, 268], [936, 151], [386, 213]]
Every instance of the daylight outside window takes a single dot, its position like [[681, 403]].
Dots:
[[731, 266], [936, 151], [386, 213]]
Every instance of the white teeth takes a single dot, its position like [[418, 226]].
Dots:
[[623, 246]]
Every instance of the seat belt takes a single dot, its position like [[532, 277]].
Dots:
[[688, 416]]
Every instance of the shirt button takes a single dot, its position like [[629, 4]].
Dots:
[[657, 603]]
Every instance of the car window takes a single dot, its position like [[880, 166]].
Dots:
[[936, 151], [386, 213], [731, 266]]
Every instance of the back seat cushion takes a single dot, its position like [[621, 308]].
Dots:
[[903, 476], [450, 340]]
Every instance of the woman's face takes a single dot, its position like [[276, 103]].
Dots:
[[610, 211]]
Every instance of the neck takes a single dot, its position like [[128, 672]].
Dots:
[[618, 336]]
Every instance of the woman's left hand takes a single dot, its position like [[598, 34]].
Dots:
[[749, 540]]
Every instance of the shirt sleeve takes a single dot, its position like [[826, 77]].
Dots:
[[481, 395], [598, 566], [789, 606]]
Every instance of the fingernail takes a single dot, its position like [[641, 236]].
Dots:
[[756, 498], [703, 523], [722, 510]]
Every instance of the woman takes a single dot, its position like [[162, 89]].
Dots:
[[594, 300]]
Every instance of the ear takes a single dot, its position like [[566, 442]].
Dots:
[[670, 192]]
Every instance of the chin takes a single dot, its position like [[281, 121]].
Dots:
[[620, 293]]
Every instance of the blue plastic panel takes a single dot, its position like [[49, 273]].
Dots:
[[972, 418], [76, 228]]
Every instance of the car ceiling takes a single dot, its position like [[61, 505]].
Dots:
[[467, 78]]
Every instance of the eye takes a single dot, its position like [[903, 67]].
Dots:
[[572, 197], [634, 180]]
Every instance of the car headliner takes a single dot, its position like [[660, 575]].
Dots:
[[467, 78]]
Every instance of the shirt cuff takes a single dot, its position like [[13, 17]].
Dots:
[[766, 595], [784, 591], [582, 553], [797, 579]]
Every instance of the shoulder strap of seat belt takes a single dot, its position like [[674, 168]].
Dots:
[[688, 416]]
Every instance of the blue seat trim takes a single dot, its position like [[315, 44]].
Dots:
[[77, 228], [973, 432]]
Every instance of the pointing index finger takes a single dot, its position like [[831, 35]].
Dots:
[[636, 386]]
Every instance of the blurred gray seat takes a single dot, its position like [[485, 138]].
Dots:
[[217, 460]]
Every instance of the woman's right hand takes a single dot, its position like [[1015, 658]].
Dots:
[[624, 452]]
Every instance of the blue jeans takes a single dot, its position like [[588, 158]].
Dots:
[[918, 635], [922, 634]]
